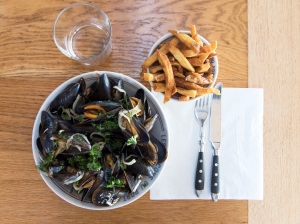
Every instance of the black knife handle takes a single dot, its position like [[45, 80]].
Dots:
[[215, 183], [199, 183]]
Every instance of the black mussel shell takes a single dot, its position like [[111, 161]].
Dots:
[[150, 124], [64, 125], [103, 90], [105, 197], [46, 141], [66, 98], [162, 151], [142, 132], [40, 147], [82, 89], [140, 167], [48, 122], [117, 95], [68, 175], [99, 181]]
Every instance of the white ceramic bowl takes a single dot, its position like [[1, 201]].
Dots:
[[160, 131], [213, 60]]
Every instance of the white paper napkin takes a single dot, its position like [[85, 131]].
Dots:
[[241, 155]]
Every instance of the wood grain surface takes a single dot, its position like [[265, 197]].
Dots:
[[274, 49], [31, 67]]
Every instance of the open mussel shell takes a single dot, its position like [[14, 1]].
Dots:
[[140, 94], [162, 151], [143, 138], [46, 141], [140, 167], [87, 194], [66, 98], [68, 175], [48, 122], [150, 152], [102, 117], [105, 197], [103, 89], [150, 124], [117, 95]]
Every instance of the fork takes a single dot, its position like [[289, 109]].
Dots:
[[201, 112]]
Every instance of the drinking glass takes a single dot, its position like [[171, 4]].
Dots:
[[82, 32]]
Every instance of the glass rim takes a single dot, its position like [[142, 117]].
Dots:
[[63, 50]]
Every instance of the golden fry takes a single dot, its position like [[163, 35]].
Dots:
[[198, 80], [184, 98], [195, 74], [187, 85], [179, 74], [154, 69], [209, 48], [180, 57], [212, 55], [159, 87], [187, 40], [159, 77], [204, 91], [169, 76], [187, 92], [195, 35], [149, 77], [153, 58], [198, 61], [203, 68], [189, 53]]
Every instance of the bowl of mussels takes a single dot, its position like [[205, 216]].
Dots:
[[100, 140]]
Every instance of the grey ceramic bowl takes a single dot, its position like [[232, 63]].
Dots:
[[160, 131]]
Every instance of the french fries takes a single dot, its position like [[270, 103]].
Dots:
[[169, 76], [154, 69], [195, 35], [154, 77], [209, 48], [153, 58], [180, 57], [184, 98], [181, 66], [203, 68], [159, 87], [198, 61], [187, 40], [187, 92], [198, 80]]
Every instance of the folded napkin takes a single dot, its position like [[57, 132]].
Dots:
[[241, 154]]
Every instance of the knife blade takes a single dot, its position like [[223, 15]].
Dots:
[[215, 138]]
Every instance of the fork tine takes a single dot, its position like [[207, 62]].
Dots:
[[196, 104], [202, 102]]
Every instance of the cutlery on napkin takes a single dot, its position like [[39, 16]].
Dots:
[[242, 149]]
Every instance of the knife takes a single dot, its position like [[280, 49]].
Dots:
[[215, 138]]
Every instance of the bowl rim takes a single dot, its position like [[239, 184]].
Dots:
[[169, 35], [47, 101]]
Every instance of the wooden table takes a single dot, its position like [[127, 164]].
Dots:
[[31, 67]]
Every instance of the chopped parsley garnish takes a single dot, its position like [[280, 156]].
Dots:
[[79, 118], [110, 125], [114, 182], [132, 140], [65, 116], [44, 165], [98, 126]]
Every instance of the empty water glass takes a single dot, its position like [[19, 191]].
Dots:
[[83, 32]]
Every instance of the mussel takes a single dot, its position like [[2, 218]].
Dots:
[[105, 197], [103, 89], [65, 98]]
